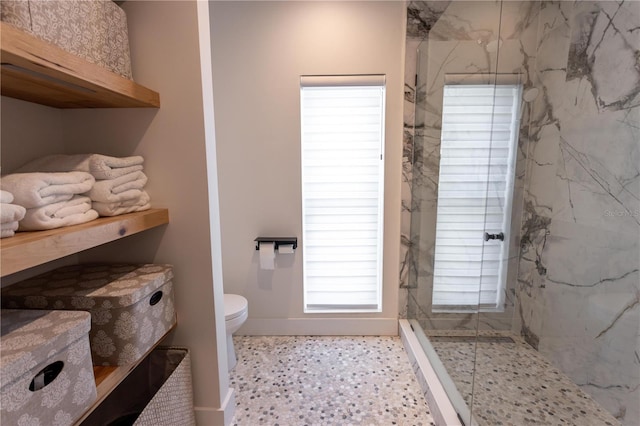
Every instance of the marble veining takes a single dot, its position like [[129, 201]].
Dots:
[[573, 270], [605, 33], [422, 16], [296, 380], [578, 280]]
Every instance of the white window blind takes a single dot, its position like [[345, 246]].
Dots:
[[479, 135], [342, 138]]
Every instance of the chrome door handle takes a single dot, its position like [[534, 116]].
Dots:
[[488, 236]]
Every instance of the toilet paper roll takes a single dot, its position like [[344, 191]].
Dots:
[[267, 255], [285, 249]]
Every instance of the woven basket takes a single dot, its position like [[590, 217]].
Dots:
[[158, 392]]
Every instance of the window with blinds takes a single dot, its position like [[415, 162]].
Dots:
[[478, 145], [342, 138]]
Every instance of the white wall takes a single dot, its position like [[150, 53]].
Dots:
[[28, 129], [260, 50]]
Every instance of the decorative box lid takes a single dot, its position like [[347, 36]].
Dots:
[[88, 286], [32, 337]]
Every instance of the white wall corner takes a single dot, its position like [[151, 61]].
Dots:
[[206, 416], [227, 398]]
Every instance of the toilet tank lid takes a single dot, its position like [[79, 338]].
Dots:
[[234, 305]]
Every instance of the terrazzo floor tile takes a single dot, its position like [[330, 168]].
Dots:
[[299, 380], [515, 385]]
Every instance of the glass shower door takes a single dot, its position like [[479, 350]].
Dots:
[[501, 361], [458, 193]]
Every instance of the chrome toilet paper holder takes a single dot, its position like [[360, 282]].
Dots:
[[277, 241]]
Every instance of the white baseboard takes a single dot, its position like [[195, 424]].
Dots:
[[320, 327], [223, 416]]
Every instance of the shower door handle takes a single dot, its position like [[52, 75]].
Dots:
[[488, 236]]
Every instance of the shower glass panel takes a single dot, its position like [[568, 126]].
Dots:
[[457, 117], [501, 357], [525, 209]]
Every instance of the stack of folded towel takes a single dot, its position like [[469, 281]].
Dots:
[[51, 200], [10, 214], [120, 181]]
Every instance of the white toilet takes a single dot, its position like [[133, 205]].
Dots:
[[235, 314]]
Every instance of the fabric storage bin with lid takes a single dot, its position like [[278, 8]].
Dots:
[[131, 305], [46, 376], [95, 30]]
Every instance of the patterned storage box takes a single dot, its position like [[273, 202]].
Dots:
[[157, 392], [131, 305], [95, 30], [46, 376]]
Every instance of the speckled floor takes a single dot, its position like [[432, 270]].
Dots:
[[291, 381], [515, 385]]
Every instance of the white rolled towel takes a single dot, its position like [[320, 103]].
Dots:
[[65, 213], [123, 188], [128, 206], [31, 190], [11, 213], [8, 229], [6, 197], [100, 166]]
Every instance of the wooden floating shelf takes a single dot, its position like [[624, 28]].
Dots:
[[28, 249], [37, 71]]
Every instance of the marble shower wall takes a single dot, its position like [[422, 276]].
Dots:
[[421, 16], [574, 283], [458, 38], [578, 286]]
